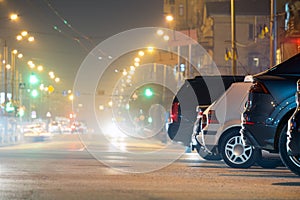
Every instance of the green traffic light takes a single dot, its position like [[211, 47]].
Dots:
[[9, 107], [21, 112], [148, 92], [33, 79], [34, 93]]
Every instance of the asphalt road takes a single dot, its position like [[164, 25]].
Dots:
[[66, 168]]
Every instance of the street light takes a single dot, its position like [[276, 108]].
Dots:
[[124, 72], [150, 49], [40, 68], [137, 59], [31, 64], [159, 32], [71, 97], [169, 18], [30, 39], [51, 74], [141, 53], [166, 37], [13, 17], [25, 34]]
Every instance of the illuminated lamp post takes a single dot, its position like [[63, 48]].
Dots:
[[6, 66], [14, 71], [12, 17]]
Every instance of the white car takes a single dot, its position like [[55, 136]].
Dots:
[[219, 135], [55, 127]]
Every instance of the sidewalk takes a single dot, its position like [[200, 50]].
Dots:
[[10, 139]]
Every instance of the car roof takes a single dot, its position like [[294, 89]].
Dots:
[[236, 94], [236, 89], [289, 67]]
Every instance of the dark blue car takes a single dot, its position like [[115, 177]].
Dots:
[[271, 103], [289, 145]]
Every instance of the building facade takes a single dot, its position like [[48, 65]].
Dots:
[[211, 19]]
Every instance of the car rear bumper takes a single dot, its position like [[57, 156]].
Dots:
[[248, 138], [198, 142], [194, 143], [259, 136]]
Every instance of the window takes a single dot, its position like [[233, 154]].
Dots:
[[172, 2], [180, 10], [251, 32], [253, 60], [172, 10]]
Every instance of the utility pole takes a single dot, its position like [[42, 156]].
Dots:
[[13, 71], [233, 38], [273, 36], [5, 58]]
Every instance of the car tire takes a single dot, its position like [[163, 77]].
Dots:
[[234, 153], [207, 156], [291, 162], [172, 131]]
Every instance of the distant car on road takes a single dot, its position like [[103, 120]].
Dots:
[[35, 132], [78, 127], [55, 127]]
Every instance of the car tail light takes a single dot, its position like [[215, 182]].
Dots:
[[212, 118], [203, 121], [200, 113], [246, 120], [258, 87], [175, 112]]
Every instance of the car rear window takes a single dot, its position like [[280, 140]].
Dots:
[[288, 67]]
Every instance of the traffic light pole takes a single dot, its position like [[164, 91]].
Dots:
[[233, 38], [13, 72]]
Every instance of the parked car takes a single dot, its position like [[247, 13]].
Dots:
[[271, 103], [195, 144], [289, 144], [201, 90], [220, 126], [218, 134]]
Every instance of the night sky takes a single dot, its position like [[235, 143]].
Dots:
[[80, 26]]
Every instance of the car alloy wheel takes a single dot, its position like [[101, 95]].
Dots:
[[235, 154]]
